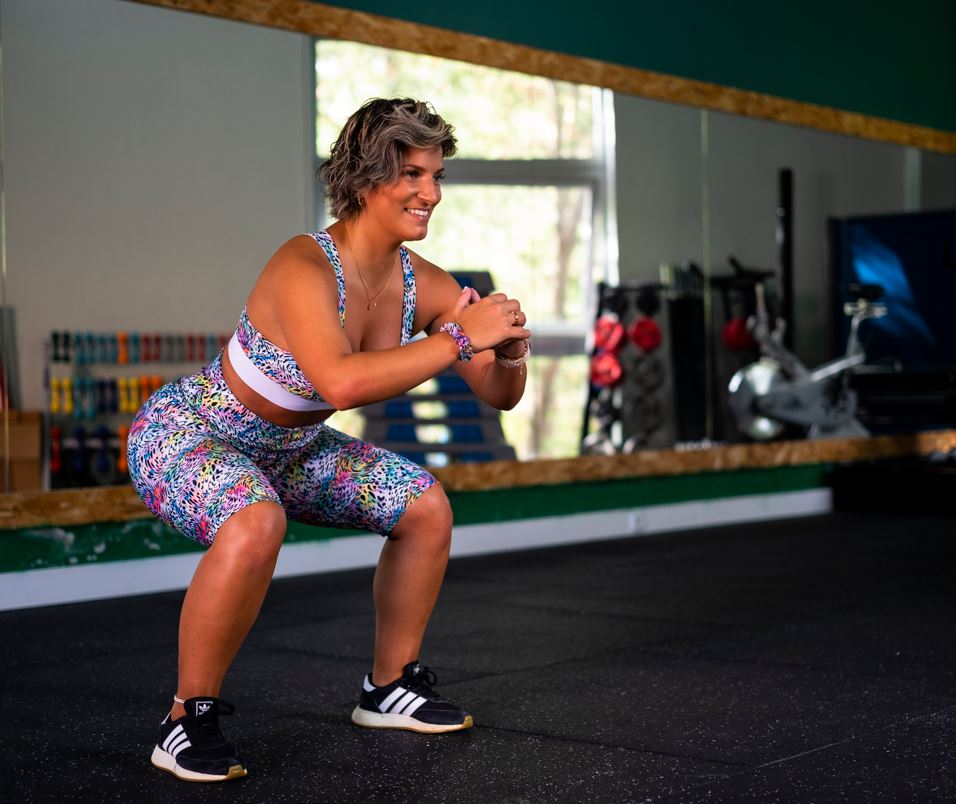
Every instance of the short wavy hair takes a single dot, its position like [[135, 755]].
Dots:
[[372, 144]]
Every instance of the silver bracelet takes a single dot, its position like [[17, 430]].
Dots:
[[513, 362]]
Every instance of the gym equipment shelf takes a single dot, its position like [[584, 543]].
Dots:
[[95, 382]]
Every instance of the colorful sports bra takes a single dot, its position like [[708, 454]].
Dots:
[[273, 372]]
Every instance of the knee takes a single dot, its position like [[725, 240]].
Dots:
[[429, 519], [252, 537]]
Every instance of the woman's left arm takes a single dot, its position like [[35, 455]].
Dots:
[[496, 383], [493, 381]]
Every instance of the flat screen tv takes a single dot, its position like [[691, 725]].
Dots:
[[913, 257]]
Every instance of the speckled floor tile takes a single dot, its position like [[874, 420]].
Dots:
[[728, 711], [44, 764], [262, 684], [304, 759], [805, 660], [478, 637], [911, 761], [904, 645], [54, 634]]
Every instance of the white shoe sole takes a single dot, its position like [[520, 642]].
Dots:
[[374, 720], [167, 762]]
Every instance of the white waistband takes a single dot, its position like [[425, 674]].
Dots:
[[265, 386]]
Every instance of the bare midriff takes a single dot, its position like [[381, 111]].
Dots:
[[261, 406]]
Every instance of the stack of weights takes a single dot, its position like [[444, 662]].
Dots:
[[626, 374]]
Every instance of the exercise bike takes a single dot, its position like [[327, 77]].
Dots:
[[778, 390]]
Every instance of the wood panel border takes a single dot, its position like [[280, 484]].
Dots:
[[120, 503], [318, 19]]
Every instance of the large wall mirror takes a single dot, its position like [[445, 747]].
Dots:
[[153, 160]]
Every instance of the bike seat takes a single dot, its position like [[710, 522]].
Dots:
[[870, 292], [749, 275]]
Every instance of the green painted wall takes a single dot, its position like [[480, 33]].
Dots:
[[37, 548], [887, 58]]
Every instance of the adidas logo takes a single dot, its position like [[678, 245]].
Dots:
[[203, 706]]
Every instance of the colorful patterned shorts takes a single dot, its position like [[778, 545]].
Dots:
[[197, 455]]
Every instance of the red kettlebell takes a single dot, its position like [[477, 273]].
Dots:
[[736, 336], [645, 333], [608, 334], [606, 370]]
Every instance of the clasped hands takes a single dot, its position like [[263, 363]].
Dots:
[[493, 322]]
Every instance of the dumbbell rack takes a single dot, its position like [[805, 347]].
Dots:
[[94, 384], [624, 410]]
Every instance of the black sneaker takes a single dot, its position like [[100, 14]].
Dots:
[[409, 703], [193, 748]]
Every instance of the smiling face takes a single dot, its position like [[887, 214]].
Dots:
[[405, 206]]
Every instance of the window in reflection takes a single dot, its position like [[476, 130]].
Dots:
[[497, 114], [539, 248], [526, 199], [558, 385]]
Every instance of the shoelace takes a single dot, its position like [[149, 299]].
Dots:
[[422, 683]]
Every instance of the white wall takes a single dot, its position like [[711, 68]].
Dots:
[[658, 185], [833, 176], [937, 181], [153, 160]]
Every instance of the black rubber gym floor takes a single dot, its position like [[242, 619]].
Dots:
[[806, 660]]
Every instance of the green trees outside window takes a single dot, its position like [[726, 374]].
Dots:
[[526, 199]]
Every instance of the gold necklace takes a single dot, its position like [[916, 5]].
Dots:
[[372, 300]]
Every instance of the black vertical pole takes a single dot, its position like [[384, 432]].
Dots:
[[785, 250], [601, 293]]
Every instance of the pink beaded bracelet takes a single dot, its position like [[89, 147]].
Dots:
[[465, 352]]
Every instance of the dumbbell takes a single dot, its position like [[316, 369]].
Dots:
[[648, 372], [608, 334], [736, 336], [61, 347], [79, 349], [604, 410], [605, 370], [121, 466], [67, 385], [645, 334], [101, 467], [135, 351], [122, 343], [79, 464], [55, 391], [56, 450]]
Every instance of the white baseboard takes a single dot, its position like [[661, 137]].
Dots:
[[46, 587]]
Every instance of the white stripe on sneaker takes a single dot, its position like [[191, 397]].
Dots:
[[402, 702], [397, 693], [413, 708], [184, 743], [173, 735]]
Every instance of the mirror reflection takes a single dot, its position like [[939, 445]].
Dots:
[[802, 238], [153, 160]]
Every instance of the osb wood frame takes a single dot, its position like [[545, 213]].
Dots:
[[120, 503], [317, 19]]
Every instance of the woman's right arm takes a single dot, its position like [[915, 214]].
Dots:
[[305, 299]]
